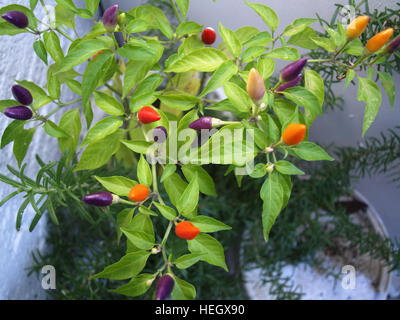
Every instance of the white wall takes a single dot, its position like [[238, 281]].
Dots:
[[19, 62]]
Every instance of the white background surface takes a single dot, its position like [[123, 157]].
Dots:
[[19, 62]]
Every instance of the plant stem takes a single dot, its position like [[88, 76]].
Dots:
[[155, 184], [342, 48], [164, 240], [113, 89], [64, 34]]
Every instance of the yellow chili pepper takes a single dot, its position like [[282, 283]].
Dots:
[[357, 27]]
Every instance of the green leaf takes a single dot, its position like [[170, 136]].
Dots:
[[205, 60], [183, 6], [188, 27], [266, 13], [303, 97], [328, 44], [284, 53], [135, 72], [92, 5], [238, 97], [260, 170], [13, 130], [102, 129], [285, 167], [388, 85], [304, 39], [129, 266], [272, 195], [80, 53], [64, 16], [187, 260], [246, 33], [40, 50], [70, 122], [183, 290], [206, 183], [167, 212], [9, 29], [154, 17], [310, 152], [266, 67], [208, 224], [224, 72], [231, 41], [204, 243], [189, 199], [137, 286], [99, 153], [354, 48], [315, 84], [370, 93], [108, 104], [175, 186], [147, 211], [94, 70], [53, 84], [55, 131], [178, 100], [144, 172], [349, 77], [298, 26], [21, 144], [144, 93], [138, 146], [137, 25], [53, 47], [261, 39], [168, 170], [116, 184], [252, 53], [140, 239]]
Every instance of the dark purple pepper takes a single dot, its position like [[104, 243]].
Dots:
[[202, 123], [99, 199], [110, 18], [22, 95], [392, 46], [164, 287], [291, 71], [289, 84], [17, 18], [160, 134], [18, 112]]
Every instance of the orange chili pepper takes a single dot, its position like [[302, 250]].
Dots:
[[379, 40], [186, 230], [139, 193], [294, 133]]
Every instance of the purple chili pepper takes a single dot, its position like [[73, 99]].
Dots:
[[289, 84], [392, 46], [110, 18], [160, 134], [291, 71], [99, 199], [202, 123], [17, 18], [22, 95], [18, 112], [164, 287]]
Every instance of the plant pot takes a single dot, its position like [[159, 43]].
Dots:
[[372, 277]]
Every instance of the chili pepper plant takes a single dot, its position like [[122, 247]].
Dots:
[[155, 92]]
